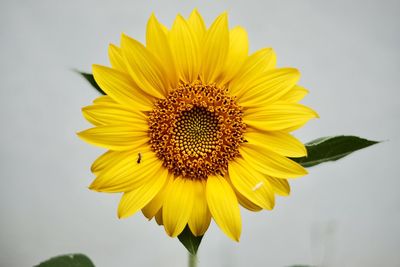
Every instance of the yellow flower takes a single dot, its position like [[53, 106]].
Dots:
[[194, 126]]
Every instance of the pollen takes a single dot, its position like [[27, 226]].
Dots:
[[196, 130]]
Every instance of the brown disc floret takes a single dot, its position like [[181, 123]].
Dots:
[[196, 130]]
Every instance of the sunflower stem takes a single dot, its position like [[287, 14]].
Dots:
[[192, 260]]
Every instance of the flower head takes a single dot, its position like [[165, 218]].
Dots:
[[195, 126]]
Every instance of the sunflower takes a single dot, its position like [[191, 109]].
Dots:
[[195, 127]]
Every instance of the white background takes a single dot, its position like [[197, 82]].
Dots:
[[341, 214]]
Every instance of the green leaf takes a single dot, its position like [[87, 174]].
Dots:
[[89, 77], [69, 260], [190, 241], [332, 148]]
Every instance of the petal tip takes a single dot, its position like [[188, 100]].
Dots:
[[235, 237], [152, 18], [121, 214], [223, 17], [81, 134], [125, 39], [172, 232], [94, 186], [179, 18], [96, 68], [195, 11]]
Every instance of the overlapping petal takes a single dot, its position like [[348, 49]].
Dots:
[[281, 143], [215, 49], [134, 200], [200, 218], [254, 66], [279, 185], [267, 87], [185, 50], [270, 163], [115, 137], [251, 184], [123, 171], [144, 68], [245, 202], [178, 206], [104, 99], [108, 159], [153, 207], [279, 117], [103, 114], [294, 95], [116, 58], [237, 54], [157, 43], [224, 206], [121, 88], [159, 217], [196, 23]]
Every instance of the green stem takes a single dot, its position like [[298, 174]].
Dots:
[[192, 260]]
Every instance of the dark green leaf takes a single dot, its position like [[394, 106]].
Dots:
[[69, 260], [190, 241], [332, 148], [89, 77]]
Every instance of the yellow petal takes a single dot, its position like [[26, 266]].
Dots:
[[258, 63], [246, 203], [270, 163], [280, 186], [215, 49], [279, 117], [185, 50], [251, 184], [165, 29], [104, 99], [133, 201], [158, 217], [108, 159], [267, 87], [243, 201], [157, 43], [144, 68], [151, 209], [128, 173], [116, 58], [103, 114], [178, 206], [121, 88], [224, 206], [296, 94], [115, 137], [279, 142], [237, 54], [196, 23], [200, 218]]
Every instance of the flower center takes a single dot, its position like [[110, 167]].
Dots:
[[196, 130]]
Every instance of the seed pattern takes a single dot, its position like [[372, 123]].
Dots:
[[196, 130]]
